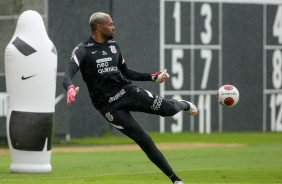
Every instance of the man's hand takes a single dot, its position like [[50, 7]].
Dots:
[[159, 76], [72, 90]]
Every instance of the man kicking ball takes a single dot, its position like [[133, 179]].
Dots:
[[112, 93]]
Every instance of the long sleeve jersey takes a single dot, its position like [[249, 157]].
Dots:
[[103, 69]]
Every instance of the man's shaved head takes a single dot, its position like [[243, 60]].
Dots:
[[97, 18]]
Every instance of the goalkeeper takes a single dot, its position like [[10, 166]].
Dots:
[[114, 95]]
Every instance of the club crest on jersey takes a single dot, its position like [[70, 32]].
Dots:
[[109, 116], [113, 49]]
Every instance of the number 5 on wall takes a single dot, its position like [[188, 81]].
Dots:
[[177, 69]]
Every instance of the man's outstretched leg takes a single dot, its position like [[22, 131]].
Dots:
[[139, 99], [124, 122]]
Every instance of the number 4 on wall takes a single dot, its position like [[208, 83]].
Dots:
[[277, 26]]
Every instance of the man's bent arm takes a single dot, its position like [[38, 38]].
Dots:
[[134, 75], [69, 74]]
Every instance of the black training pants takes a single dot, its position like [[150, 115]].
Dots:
[[117, 112]]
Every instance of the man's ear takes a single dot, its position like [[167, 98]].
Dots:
[[100, 27]]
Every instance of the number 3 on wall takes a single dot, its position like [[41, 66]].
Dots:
[[207, 11]]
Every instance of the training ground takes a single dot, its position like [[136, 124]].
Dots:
[[196, 158]]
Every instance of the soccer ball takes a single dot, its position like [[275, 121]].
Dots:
[[228, 96]]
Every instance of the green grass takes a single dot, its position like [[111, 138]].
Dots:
[[249, 138], [259, 162]]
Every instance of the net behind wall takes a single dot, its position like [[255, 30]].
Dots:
[[10, 10]]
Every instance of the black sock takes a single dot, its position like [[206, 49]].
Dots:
[[174, 178]]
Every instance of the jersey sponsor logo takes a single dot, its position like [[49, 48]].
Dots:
[[102, 65], [157, 103], [94, 52], [113, 49], [104, 53], [109, 116], [117, 96], [104, 60], [108, 69]]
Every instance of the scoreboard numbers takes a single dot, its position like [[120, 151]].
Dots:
[[277, 26], [184, 43], [207, 56], [195, 51], [277, 69], [176, 16], [273, 92], [204, 106], [276, 117], [177, 69], [207, 12], [178, 126]]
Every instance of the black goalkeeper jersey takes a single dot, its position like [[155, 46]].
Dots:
[[103, 69]]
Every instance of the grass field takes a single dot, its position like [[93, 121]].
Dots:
[[258, 162]]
